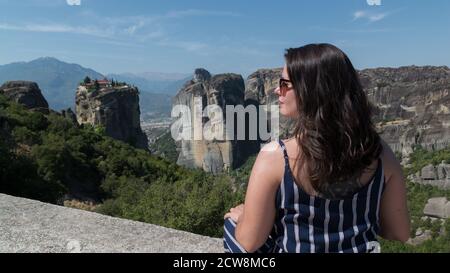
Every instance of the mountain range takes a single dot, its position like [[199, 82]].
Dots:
[[58, 81]]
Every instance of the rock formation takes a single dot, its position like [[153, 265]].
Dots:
[[218, 154], [114, 108], [25, 93], [438, 207], [434, 209], [69, 114], [420, 237], [438, 176]]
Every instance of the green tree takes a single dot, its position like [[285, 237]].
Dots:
[[87, 80], [96, 85]]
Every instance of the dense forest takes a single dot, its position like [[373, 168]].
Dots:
[[49, 158]]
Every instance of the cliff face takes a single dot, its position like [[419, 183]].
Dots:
[[412, 105], [116, 109], [25, 93], [221, 90]]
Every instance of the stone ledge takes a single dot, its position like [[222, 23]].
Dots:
[[32, 226]]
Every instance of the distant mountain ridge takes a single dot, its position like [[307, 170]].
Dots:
[[58, 81]]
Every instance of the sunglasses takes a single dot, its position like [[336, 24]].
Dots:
[[285, 86]]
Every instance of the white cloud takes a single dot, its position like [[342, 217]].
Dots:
[[371, 16], [359, 14], [197, 12], [374, 2], [73, 2], [123, 30], [191, 46], [359, 30], [59, 28]]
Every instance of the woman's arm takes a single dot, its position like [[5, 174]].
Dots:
[[394, 216], [256, 222]]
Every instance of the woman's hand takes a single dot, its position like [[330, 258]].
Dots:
[[235, 213]]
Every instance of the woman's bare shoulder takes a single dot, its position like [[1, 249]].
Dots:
[[391, 164], [271, 152], [270, 160]]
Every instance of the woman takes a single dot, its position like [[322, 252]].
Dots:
[[333, 187]]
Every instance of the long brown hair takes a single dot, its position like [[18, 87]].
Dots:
[[334, 129]]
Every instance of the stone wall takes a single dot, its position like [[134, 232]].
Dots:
[[32, 226]]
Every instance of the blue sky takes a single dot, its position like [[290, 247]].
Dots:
[[222, 36]]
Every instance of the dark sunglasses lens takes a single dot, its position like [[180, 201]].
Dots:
[[283, 86]]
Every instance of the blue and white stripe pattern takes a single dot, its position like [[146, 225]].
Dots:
[[306, 223]]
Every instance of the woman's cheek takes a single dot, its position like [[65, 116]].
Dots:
[[292, 105], [290, 108]]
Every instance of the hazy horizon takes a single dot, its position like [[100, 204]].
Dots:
[[182, 75]]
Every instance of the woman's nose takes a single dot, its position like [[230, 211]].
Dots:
[[277, 91]]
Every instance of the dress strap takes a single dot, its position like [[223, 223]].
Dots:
[[379, 175], [283, 147]]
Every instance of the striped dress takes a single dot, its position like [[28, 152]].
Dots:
[[308, 224]]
